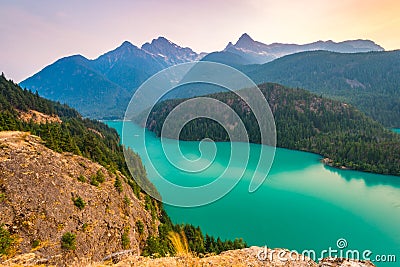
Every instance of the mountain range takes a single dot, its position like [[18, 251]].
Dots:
[[101, 88], [249, 51]]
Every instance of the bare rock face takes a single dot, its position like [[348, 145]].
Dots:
[[47, 194], [38, 117]]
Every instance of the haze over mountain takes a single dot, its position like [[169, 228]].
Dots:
[[101, 88], [254, 52]]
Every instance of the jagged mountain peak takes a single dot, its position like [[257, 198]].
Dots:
[[126, 46], [245, 38], [245, 41], [163, 46], [169, 51], [161, 41]]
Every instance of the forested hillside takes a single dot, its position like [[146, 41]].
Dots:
[[89, 138], [304, 121], [369, 81]]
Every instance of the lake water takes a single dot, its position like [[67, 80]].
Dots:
[[302, 205], [396, 130]]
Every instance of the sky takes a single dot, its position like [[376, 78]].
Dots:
[[37, 33]]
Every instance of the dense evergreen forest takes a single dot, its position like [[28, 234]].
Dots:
[[369, 81], [304, 121], [98, 142]]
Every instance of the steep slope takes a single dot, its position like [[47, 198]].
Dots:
[[258, 53], [39, 188], [370, 81], [304, 121]]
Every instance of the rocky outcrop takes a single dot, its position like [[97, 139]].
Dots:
[[244, 257], [239, 258], [38, 117], [46, 194]]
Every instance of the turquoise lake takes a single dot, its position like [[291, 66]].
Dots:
[[396, 130], [302, 204]]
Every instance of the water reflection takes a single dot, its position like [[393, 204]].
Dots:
[[369, 178]]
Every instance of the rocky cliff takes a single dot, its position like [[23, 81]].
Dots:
[[47, 196]]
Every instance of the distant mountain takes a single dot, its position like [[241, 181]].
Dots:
[[369, 81], [258, 53], [102, 88]]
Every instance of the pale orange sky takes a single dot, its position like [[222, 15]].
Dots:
[[36, 33]]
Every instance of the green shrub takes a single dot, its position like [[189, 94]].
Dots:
[[68, 241], [140, 226], [127, 200], [126, 242], [100, 176], [97, 178], [78, 201], [93, 180], [118, 185], [35, 243], [85, 226], [81, 178], [6, 241]]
